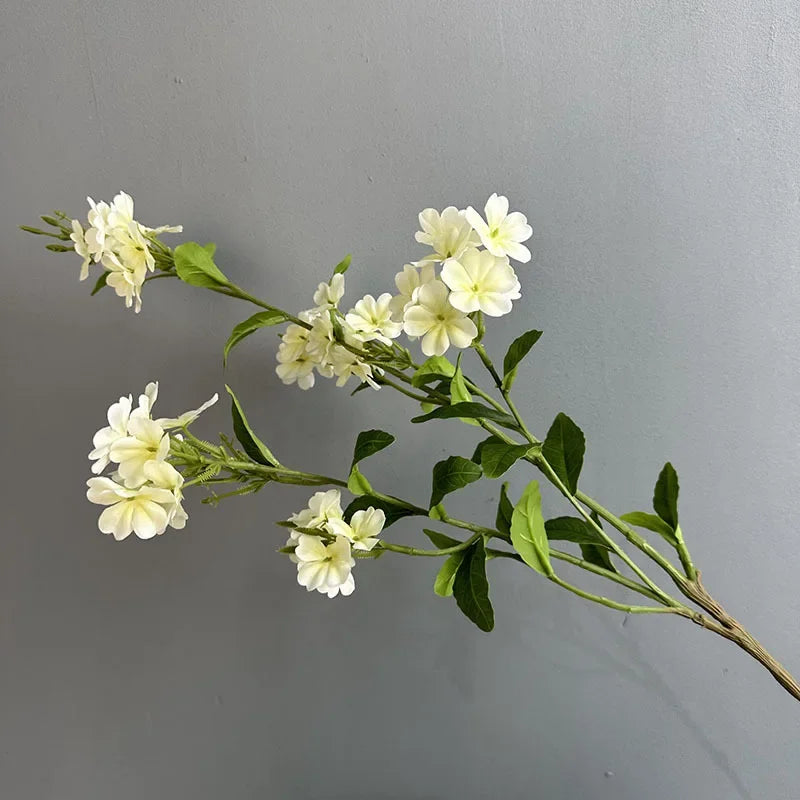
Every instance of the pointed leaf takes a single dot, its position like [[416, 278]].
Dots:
[[443, 584], [528, 533], [469, 410], [101, 282], [459, 392], [665, 496], [370, 442], [195, 265], [572, 529], [440, 540], [261, 320], [516, 352], [471, 587], [497, 457], [435, 368], [651, 523], [343, 265], [599, 556], [505, 510], [357, 484], [452, 474], [476, 456], [563, 449], [251, 444]]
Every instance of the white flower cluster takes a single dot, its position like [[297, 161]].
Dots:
[[143, 496], [433, 307], [120, 243], [326, 563]]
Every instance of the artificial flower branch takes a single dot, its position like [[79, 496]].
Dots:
[[443, 301]]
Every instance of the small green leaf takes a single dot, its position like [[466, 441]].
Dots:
[[60, 248], [370, 442], [599, 556], [476, 456], [452, 474], [343, 265], [563, 449], [443, 585], [435, 368], [252, 445], [528, 532], [437, 512], [471, 587], [101, 282], [440, 540], [497, 457], [516, 352], [651, 523], [665, 496], [357, 484], [505, 511], [468, 410], [393, 511], [261, 320], [572, 529], [195, 265], [459, 392]]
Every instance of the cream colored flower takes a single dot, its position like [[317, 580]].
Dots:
[[502, 233], [142, 510], [325, 567], [448, 233], [480, 281], [438, 323]]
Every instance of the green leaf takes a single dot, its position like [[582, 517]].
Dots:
[[471, 587], [101, 282], [60, 248], [263, 319], [665, 496], [459, 392], [497, 457], [469, 410], [452, 474], [572, 529], [599, 556], [370, 442], [251, 444], [440, 540], [357, 484], [435, 368], [528, 534], [476, 456], [437, 512], [393, 511], [505, 510], [563, 449], [516, 352], [195, 265], [343, 265], [445, 578], [651, 523], [210, 248]]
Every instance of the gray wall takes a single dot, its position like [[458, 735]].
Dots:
[[654, 146]]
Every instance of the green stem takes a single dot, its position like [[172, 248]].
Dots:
[[416, 551], [604, 601]]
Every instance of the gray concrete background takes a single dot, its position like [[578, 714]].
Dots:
[[654, 147]]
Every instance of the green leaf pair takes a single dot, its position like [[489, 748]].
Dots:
[[463, 575], [368, 443], [665, 503], [245, 435]]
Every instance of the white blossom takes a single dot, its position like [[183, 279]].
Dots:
[[81, 247], [448, 233], [439, 324], [146, 441], [188, 417], [407, 282], [329, 294], [143, 510], [502, 233], [346, 365], [372, 319], [163, 475], [481, 281], [295, 369], [118, 415], [322, 507], [325, 567], [362, 530]]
